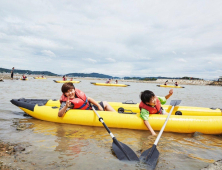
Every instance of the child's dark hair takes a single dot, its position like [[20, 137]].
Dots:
[[67, 86], [146, 95]]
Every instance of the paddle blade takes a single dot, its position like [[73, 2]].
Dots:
[[124, 152], [150, 157], [175, 102]]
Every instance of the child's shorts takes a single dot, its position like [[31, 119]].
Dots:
[[101, 104]]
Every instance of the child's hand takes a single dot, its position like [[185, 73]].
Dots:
[[171, 91], [68, 103]]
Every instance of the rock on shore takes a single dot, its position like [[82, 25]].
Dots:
[[215, 166], [6, 150]]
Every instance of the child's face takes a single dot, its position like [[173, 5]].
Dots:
[[152, 101], [70, 93]]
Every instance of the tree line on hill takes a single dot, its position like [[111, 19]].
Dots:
[[96, 75], [29, 72]]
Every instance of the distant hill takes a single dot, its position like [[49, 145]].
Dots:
[[97, 75], [47, 73]]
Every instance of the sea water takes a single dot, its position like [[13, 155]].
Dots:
[[66, 146]]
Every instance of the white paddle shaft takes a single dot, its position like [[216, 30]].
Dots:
[[101, 120], [161, 131]]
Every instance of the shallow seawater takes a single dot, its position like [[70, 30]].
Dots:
[[64, 146]]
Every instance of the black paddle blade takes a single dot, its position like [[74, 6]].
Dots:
[[150, 157], [124, 152], [175, 102]]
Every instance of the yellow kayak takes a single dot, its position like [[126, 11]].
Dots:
[[39, 109], [109, 84], [23, 79], [130, 107], [67, 81], [39, 77], [170, 86]]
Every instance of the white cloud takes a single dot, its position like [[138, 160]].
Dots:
[[144, 58], [181, 60], [48, 53], [142, 37], [110, 59], [90, 60]]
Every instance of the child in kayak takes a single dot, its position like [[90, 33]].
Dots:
[[23, 76], [151, 104], [64, 78], [73, 98], [108, 81], [176, 84]]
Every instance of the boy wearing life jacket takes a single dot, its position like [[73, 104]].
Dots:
[[151, 104], [73, 98]]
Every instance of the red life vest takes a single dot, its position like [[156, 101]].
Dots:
[[80, 102], [152, 110]]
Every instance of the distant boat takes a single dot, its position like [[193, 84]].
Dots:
[[109, 84], [170, 86], [67, 81]]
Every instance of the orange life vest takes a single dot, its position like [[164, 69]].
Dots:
[[152, 110], [80, 102]]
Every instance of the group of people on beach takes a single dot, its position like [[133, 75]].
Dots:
[[73, 98], [23, 76], [12, 74]]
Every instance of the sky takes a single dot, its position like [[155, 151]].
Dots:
[[144, 38]]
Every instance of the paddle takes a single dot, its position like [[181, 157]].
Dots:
[[150, 156], [122, 151]]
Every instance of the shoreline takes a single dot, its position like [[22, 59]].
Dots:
[[180, 82]]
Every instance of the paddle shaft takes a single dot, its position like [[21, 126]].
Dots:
[[161, 131], [101, 120], [110, 133]]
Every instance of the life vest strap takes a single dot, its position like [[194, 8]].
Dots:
[[85, 103]]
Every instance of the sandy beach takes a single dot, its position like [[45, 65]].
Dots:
[[158, 81]]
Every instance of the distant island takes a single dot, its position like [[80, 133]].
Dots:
[[4, 70], [94, 75]]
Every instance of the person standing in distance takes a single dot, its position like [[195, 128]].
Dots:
[[12, 73]]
